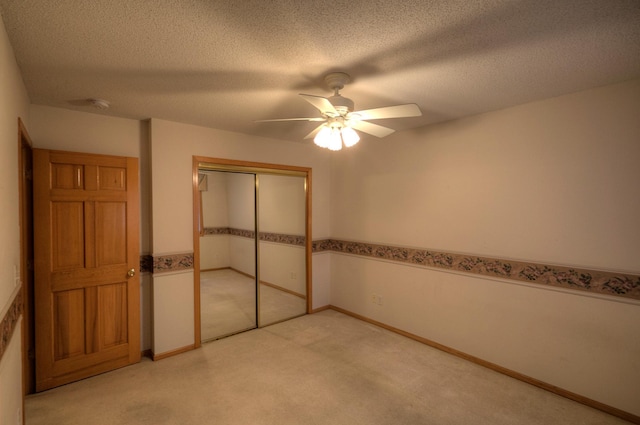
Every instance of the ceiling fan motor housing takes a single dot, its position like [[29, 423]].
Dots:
[[342, 104]]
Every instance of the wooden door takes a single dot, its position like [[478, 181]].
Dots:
[[87, 291]]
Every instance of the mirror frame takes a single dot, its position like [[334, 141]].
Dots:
[[220, 164]]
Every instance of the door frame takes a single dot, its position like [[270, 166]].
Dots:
[[221, 164], [25, 189]]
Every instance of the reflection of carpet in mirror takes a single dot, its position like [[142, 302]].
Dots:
[[277, 305], [227, 303], [228, 306]]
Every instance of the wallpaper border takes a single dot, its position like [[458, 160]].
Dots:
[[9, 321], [282, 238], [595, 281], [171, 263]]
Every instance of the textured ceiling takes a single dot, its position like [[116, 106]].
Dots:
[[225, 64]]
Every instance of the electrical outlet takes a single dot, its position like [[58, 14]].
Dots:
[[294, 275], [376, 299]]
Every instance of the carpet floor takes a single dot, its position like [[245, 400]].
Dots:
[[324, 368]]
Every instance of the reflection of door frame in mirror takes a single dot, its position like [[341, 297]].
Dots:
[[219, 164]]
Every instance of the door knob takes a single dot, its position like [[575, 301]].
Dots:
[[131, 272]]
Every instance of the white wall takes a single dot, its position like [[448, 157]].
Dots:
[[11, 380], [555, 181], [321, 271], [14, 103], [172, 146], [551, 181]]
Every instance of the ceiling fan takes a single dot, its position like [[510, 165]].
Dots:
[[339, 119]]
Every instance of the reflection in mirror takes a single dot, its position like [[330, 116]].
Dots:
[[282, 252], [227, 253]]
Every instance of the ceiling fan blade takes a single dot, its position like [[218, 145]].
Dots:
[[373, 129], [322, 103], [397, 111], [314, 132], [293, 119]]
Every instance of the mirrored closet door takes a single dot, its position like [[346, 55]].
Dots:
[[228, 292], [281, 247], [252, 247]]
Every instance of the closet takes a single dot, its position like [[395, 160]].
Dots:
[[252, 252]]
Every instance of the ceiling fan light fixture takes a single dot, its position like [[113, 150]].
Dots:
[[349, 136], [323, 137], [335, 140]]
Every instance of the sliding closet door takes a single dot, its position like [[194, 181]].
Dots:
[[282, 252], [227, 253], [252, 239]]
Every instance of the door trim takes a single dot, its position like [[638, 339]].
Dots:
[[221, 164], [25, 189]]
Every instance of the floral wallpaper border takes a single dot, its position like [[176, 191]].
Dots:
[[595, 281], [609, 283], [282, 238], [172, 263], [9, 321], [178, 262], [229, 231]]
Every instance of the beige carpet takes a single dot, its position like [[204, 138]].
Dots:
[[325, 368]]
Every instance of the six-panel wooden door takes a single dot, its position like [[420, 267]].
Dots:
[[87, 293]]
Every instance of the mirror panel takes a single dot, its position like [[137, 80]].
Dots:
[[227, 254], [282, 251]]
